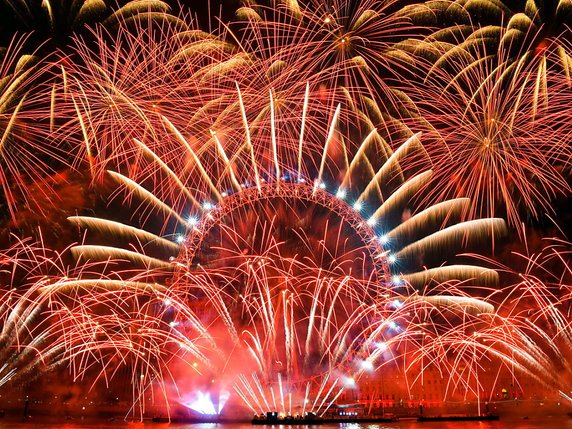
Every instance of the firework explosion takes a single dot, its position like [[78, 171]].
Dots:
[[490, 138], [297, 297], [288, 203]]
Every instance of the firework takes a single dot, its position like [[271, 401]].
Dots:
[[469, 343], [489, 138], [23, 124], [335, 44], [108, 104], [98, 327], [290, 244], [27, 347], [59, 19], [30, 110], [538, 301], [271, 237], [539, 33], [102, 100]]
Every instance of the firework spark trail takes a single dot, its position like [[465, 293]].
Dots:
[[33, 92], [27, 151], [114, 87], [538, 35], [273, 297], [292, 237], [536, 308], [488, 138], [339, 44], [60, 20], [63, 317], [451, 334]]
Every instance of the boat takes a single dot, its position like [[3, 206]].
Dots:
[[361, 419], [458, 418], [273, 418]]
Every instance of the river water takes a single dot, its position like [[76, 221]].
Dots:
[[513, 423]]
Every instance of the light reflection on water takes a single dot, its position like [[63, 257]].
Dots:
[[533, 423]]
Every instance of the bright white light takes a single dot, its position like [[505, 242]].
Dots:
[[180, 238], [207, 205], [349, 382], [193, 220], [224, 194], [202, 404], [367, 365], [392, 259], [358, 206], [381, 346], [396, 279], [167, 302], [341, 194], [383, 239], [394, 326], [322, 185], [173, 324], [371, 221], [222, 399], [397, 303]]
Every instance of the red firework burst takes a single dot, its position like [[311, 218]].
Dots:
[[491, 135]]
